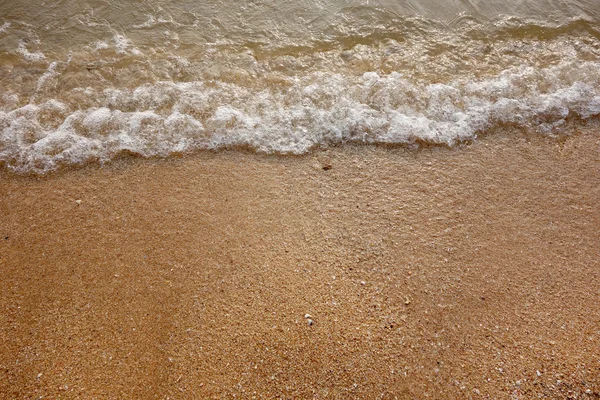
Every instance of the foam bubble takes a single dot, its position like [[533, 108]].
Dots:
[[29, 56], [124, 46], [100, 45], [49, 74], [4, 27]]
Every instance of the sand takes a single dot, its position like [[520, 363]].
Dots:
[[471, 272]]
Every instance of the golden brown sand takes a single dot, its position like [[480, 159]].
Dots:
[[441, 273]]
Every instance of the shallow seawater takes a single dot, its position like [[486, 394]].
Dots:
[[86, 81]]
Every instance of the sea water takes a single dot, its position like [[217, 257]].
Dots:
[[86, 81]]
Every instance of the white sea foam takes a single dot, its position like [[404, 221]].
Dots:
[[28, 55], [315, 110], [124, 46], [100, 45], [48, 75], [4, 27]]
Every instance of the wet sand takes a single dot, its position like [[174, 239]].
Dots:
[[440, 273]]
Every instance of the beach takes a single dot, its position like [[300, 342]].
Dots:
[[350, 272], [339, 199]]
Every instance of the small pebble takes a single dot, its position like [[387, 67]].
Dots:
[[538, 373], [307, 316], [78, 202], [310, 322]]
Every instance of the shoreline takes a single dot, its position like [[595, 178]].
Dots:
[[572, 129], [448, 273]]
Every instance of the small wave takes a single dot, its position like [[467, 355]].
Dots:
[[315, 110]]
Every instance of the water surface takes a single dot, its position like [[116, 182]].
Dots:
[[84, 81]]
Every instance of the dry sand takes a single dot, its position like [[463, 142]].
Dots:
[[441, 273]]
